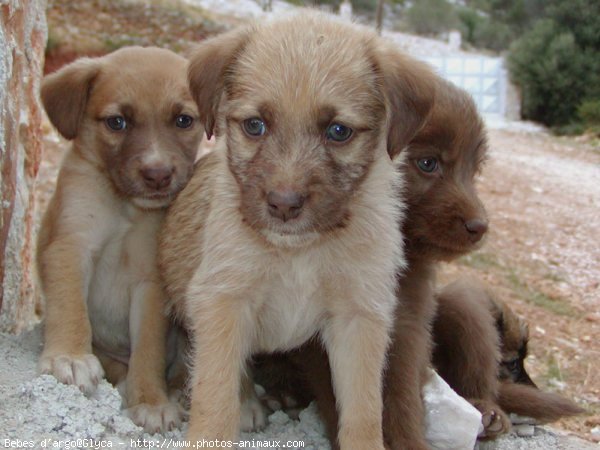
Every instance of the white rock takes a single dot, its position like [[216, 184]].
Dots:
[[452, 423], [524, 430]]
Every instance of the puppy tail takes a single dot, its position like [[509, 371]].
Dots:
[[529, 401]]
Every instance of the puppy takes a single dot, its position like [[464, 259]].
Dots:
[[135, 136], [289, 229], [481, 346], [444, 220]]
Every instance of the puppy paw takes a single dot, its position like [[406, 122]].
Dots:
[[156, 418], [252, 415], [495, 421], [83, 371]]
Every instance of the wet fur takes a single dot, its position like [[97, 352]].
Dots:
[[96, 251], [245, 282], [439, 204]]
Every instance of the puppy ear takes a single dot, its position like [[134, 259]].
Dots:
[[65, 94], [207, 71], [409, 87]]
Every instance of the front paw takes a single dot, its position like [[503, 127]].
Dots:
[[156, 418], [252, 415], [83, 371], [495, 422]]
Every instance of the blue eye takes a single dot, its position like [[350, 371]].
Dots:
[[428, 165], [183, 121], [116, 123], [338, 132], [254, 127]]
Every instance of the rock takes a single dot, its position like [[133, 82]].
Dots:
[[451, 422], [22, 42]]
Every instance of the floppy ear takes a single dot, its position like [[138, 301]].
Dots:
[[65, 94], [409, 87], [207, 71]]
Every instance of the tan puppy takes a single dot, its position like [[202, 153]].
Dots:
[[444, 219], [289, 228], [135, 136]]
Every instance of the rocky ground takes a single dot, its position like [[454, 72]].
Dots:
[[542, 193]]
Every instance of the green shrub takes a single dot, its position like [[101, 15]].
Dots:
[[552, 71], [432, 17], [589, 113]]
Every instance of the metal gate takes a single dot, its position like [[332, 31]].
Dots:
[[483, 77]]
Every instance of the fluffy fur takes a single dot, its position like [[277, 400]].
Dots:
[[444, 220], [288, 230], [135, 137], [481, 346]]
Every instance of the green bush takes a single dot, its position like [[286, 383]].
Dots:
[[552, 71], [589, 112], [432, 17]]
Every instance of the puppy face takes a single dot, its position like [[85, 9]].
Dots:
[[131, 114], [304, 106], [514, 338], [445, 217]]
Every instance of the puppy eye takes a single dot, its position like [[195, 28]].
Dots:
[[512, 365], [116, 123], [183, 121], [338, 132], [254, 127], [428, 165]]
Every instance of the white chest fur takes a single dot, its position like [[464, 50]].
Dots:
[[121, 266], [290, 310]]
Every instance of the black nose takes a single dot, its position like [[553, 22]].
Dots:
[[285, 205], [157, 177], [476, 228]]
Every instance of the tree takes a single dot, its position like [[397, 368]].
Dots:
[[432, 17], [551, 70]]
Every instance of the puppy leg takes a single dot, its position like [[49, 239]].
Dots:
[[404, 414], [356, 347], [147, 400], [409, 358], [115, 371], [221, 337], [467, 352], [65, 270], [252, 413]]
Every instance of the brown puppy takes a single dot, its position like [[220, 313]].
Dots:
[[288, 228], [135, 136], [481, 346], [444, 219]]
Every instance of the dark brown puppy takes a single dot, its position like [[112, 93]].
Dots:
[[467, 350], [481, 346], [445, 219]]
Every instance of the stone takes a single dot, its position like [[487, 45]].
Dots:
[[23, 35], [451, 422]]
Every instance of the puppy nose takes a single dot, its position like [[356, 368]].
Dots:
[[285, 205], [476, 228], [157, 177]]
